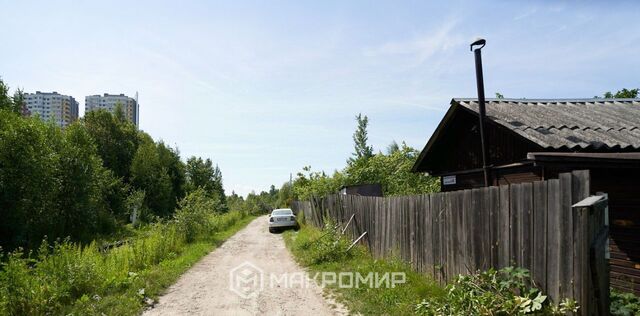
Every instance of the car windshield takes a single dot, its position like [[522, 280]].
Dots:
[[281, 212]]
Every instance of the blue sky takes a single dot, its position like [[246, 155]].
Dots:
[[265, 88]]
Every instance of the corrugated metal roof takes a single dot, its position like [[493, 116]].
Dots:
[[577, 124]]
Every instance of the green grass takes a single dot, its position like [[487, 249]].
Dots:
[[70, 279], [322, 251]]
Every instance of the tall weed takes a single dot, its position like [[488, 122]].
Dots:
[[62, 274]]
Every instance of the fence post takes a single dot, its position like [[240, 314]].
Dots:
[[591, 273]]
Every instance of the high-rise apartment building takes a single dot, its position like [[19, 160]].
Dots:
[[110, 101], [62, 109]]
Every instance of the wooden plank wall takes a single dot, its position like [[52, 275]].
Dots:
[[530, 225]]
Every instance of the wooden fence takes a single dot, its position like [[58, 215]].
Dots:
[[531, 225]]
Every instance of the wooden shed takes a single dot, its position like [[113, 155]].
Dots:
[[362, 189], [529, 140]]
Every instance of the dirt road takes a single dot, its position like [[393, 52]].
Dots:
[[226, 281]]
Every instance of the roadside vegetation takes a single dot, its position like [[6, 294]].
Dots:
[[391, 169], [324, 250], [624, 304], [98, 217], [68, 278], [88, 180], [509, 291]]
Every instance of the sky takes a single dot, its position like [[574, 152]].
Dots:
[[264, 88]]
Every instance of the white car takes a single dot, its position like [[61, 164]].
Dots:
[[282, 218]]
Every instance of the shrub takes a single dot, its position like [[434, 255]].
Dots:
[[504, 292], [194, 215], [330, 246], [624, 304], [319, 250], [67, 276]]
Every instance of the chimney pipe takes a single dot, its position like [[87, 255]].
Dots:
[[481, 106]]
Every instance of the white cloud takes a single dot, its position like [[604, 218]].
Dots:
[[526, 14], [423, 47]]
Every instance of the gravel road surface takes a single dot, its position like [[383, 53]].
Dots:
[[227, 281]]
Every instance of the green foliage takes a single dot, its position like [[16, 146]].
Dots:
[[263, 202], [116, 140], [499, 95], [202, 174], [69, 278], [331, 246], [313, 183], [18, 101], [624, 94], [8, 103], [5, 101], [150, 175], [79, 181], [80, 202], [175, 168], [325, 251], [508, 291], [52, 183], [391, 170], [624, 304], [285, 195], [360, 138], [193, 214]]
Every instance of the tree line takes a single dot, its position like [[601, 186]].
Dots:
[[391, 169], [86, 180]]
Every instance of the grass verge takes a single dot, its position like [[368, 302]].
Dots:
[[324, 251], [70, 279], [151, 283]]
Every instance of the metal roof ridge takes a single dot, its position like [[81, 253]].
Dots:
[[551, 100]]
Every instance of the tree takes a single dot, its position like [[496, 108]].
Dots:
[[391, 170], [15, 104], [118, 113], [499, 95], [360, 138], [81, 205], [236, 202], [623, 94], [5, 101], [116, 141], [170, 160], [202, 174], [150, 176], [285, 195], [52, 183], [19, 104], [27, 177], [393, 147]]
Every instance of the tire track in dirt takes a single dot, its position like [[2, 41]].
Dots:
[[205, 288]]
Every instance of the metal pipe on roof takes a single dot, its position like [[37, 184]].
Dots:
[[481, 105]]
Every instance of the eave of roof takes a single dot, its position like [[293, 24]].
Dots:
[[568, 124], [619, 131], [611, 159]]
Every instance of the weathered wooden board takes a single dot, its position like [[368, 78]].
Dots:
[[530, 225]]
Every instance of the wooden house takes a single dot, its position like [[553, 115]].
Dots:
[[530, 140]]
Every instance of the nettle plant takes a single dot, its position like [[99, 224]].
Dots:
[[508, 291]]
